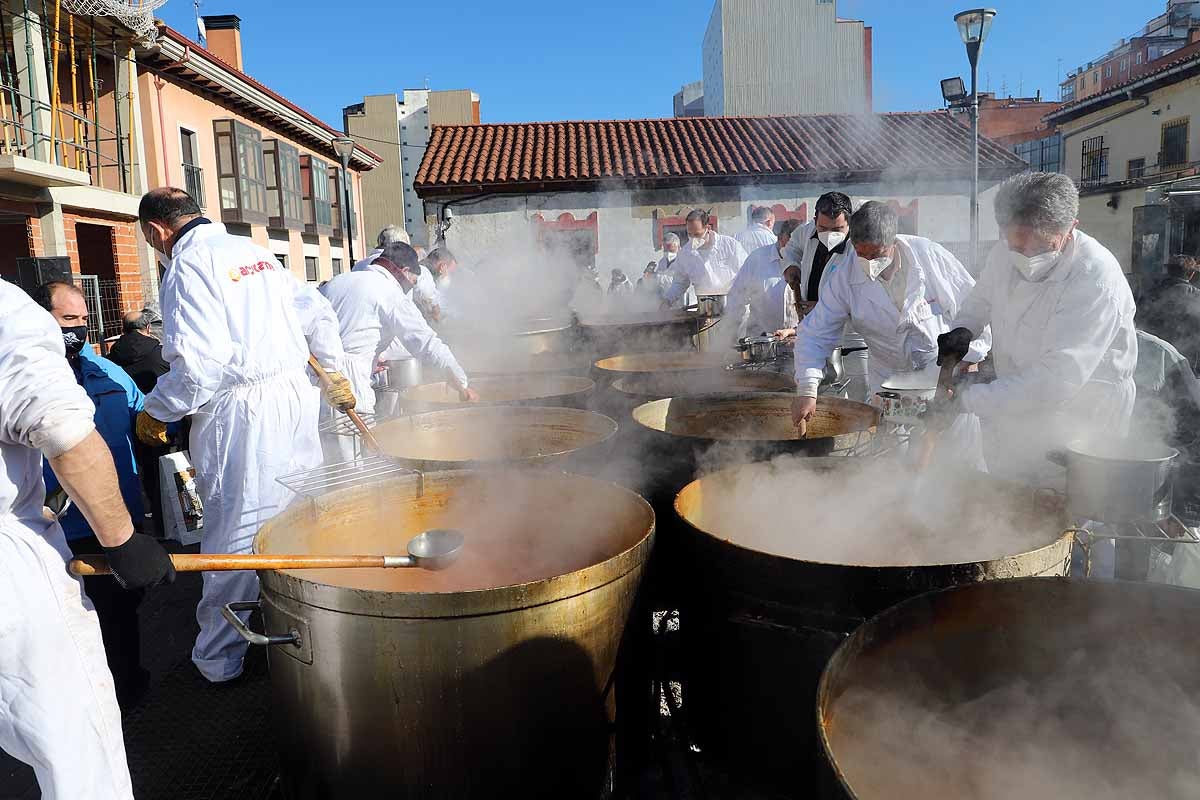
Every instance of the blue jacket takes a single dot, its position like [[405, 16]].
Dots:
[[118, 401]]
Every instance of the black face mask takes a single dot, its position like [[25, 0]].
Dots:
[[74, 339]]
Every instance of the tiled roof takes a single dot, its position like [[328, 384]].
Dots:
[[651, 152]]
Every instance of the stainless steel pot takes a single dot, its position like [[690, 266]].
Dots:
[[463, 684], [569, 391], [758, 349], [400, 374], [1118, 481], [712, 305]]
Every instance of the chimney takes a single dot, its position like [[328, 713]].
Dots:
[[224, 36]]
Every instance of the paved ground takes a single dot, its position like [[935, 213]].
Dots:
[[188, 739], [192, 740]]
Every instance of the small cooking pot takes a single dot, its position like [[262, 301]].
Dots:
[[907, 394], [1118, 481], [399, 374], [758, 349], [711, 305]]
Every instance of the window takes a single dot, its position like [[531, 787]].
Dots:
[[1108, 70], [1043, 155], [282, 259], [311, 272], [1125, 64], [240, 172], [1096, 78], [336, 193], [1138, 59], [1136, 169], [337, 266], [193, 176], [1095, 161], [285, 202], [1174, 143], [318, 216]]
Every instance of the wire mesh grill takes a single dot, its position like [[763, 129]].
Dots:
[[358, 472], [137, 15]]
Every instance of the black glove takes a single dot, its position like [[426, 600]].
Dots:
[[955, 344], [140, 562]]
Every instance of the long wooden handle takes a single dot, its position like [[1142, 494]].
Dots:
[[930, 439], [363, 430], [220, 562]]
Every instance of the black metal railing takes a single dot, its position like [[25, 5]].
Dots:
[[193, 183]]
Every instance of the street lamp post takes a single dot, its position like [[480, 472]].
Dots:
[[344, 147], [973, 27]]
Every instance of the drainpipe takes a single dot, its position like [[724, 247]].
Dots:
[[159, 83]]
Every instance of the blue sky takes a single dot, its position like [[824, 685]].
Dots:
[[550, 60]]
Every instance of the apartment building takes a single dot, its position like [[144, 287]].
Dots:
[[254, 160], [757, 55], [398, 128]]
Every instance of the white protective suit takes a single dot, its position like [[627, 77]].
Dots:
[[237, 332], [665, 273], [709, 270], [900, 340], [802, 251], [58, 708], [373, 311], [1065, 350], [759, 296], [755, 236]]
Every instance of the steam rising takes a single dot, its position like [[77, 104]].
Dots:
[[868, 513]]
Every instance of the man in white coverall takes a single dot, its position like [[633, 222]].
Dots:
[[708, 263], [58, 708], [900, 295], [1062, 320], [237, 332], [374, 309]]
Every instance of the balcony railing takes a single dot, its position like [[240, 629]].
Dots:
[[193, 183]]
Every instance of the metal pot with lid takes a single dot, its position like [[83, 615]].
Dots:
[[758, 349]]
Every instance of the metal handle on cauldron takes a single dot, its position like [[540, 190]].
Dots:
[[229, 612]]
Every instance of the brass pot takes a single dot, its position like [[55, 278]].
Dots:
[[762, 618], [503, 390], [492, 678], [474, 436]]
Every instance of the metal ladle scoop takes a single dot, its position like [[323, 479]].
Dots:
[[433, 550]]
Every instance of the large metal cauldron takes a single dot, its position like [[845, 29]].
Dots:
[[495, 435], [525, 336], [1034, 688], [493, 678], [788, 558], [503, 390], [643, 387], [657, 363], [653, 331], [479, 364], [758, 425]]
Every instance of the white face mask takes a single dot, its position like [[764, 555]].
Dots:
[[874, 267], [698, 242], [671, 256], [831, 239], [1034, 267]]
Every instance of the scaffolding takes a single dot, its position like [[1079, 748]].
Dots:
[[89, 74]]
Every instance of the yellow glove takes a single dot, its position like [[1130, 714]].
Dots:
[[338, 392], [150, 431]]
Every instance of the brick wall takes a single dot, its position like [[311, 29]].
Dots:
[[127, 270]]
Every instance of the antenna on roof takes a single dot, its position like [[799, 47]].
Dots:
[[427, 83]]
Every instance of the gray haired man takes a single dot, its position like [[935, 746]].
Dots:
[[1062, 315]]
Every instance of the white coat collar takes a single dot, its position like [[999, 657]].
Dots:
[[195, 236]]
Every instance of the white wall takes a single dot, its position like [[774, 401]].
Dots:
[[502, 228]]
